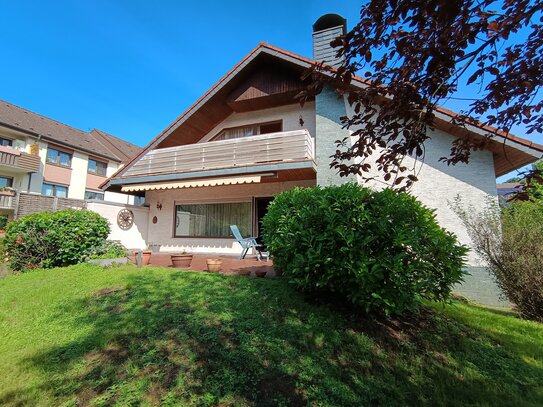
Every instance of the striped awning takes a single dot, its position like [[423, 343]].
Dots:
[[209, 182]]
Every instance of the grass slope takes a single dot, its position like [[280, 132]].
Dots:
[[84, 335]]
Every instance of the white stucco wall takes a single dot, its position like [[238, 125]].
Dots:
[[290, 115], [162, 232], [112, 167], [133, 238], [77, 186], [439, 184]]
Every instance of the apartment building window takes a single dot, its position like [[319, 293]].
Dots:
[[6, 182], [94, 195], [6, 142], [97, 167], [59, 157], [59, 191], [250, 130], [139, 200]]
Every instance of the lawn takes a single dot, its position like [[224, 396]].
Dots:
[[89, 336]]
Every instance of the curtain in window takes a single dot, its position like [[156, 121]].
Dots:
[[212, 220], [236, 133]]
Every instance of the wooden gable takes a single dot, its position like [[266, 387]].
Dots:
[[265, 82]]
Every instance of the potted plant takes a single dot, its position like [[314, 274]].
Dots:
[[214, 265], [7, 191], [181, 260], [145, 256]]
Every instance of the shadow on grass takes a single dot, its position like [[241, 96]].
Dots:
[[193, 338]]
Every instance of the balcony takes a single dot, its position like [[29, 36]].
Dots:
[[281, 149], [7, 200], [18, 161]]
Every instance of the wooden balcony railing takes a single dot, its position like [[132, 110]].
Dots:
[[19, 160], [290, 146]]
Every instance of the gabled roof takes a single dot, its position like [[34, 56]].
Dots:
[[95, 142], [121, 148], [528, 151]]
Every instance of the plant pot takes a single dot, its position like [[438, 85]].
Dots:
[[145, 257], [260, 273], [181, 260], [7, 193], [214, 265]]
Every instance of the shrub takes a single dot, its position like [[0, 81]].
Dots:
[[110, 249], [3, 222], [378, 250], [51, 239], [512, 245]]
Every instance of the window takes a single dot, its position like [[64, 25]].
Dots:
[[6, 182], [139, 200], [212, 220], [97, 167], [6, 142], [94, 195], [250, 130], [60, 191], [59, 157]]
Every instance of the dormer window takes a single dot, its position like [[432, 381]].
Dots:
[[250, 130]]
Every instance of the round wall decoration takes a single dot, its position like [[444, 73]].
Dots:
[[125, 219], [155, 219]]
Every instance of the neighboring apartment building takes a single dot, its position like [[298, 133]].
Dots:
[[39, 155]]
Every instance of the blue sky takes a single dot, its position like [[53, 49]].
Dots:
[[130, 67]]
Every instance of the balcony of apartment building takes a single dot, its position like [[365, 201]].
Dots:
[[14, 161]]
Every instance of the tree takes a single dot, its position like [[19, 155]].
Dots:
[[413, 56]]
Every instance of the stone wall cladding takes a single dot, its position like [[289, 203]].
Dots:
[[329, 108]]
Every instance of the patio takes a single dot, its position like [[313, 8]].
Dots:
[[231, 265]]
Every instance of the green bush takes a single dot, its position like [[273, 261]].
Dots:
[[512, 245], [3, 222], [110, 249], [378, 250], [51, 239]]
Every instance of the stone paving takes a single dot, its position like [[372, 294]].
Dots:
[[230, 264]]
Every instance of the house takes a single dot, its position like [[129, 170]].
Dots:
[[247, 139], [39, 155]]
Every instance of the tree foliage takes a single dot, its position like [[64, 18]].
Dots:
[[413, 56], [511, 243]]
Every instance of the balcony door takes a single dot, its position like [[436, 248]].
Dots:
[[260, 205]]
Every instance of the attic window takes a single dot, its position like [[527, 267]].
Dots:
[[250, 130]]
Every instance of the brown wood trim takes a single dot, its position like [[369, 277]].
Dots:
[[246, 125], [60, 148]]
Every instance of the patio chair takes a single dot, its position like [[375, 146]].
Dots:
[[247, 243]]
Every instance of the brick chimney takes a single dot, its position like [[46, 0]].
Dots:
[[326, 29]]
